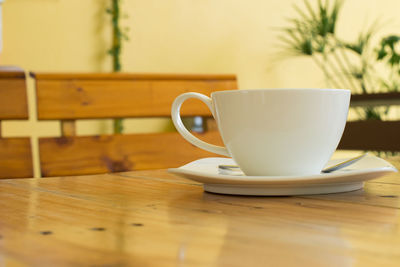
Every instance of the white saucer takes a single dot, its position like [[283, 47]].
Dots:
[[348, 179]]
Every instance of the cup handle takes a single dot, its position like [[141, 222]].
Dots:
[[176, 118]]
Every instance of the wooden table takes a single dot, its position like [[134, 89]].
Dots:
[[152, 218]]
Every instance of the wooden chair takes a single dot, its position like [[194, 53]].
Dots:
[[15, 153], [69, 97], [372, 134]]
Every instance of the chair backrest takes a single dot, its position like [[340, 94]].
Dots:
[[372, 135], [15, 153], [68, 97]]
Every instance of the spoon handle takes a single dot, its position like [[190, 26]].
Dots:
[[329, 169], [343, 164]]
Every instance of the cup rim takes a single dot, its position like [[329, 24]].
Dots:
[[283, 89]]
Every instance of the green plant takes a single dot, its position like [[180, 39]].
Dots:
[[118, 35], [345, 64]]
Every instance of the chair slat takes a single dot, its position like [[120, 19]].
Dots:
[[13, 98], [116, 153], [68, 128], [90, 98], [15, 153], [371, 135], [15, 158]]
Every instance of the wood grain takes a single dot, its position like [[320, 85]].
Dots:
[[13, 99], [71, 96], [15, 158], [68, 128], [76, 98], [73, 155], [152, 218], [15, 153]]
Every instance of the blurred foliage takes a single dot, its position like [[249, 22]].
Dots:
[[345, 64], [118, 35]]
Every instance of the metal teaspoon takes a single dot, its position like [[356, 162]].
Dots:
[[329, 169]]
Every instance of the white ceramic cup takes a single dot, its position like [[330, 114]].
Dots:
[[274, 132]]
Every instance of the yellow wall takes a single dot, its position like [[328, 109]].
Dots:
[[206, 36], [167, 36]]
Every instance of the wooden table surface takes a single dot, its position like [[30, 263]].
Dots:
[[153, 218]]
